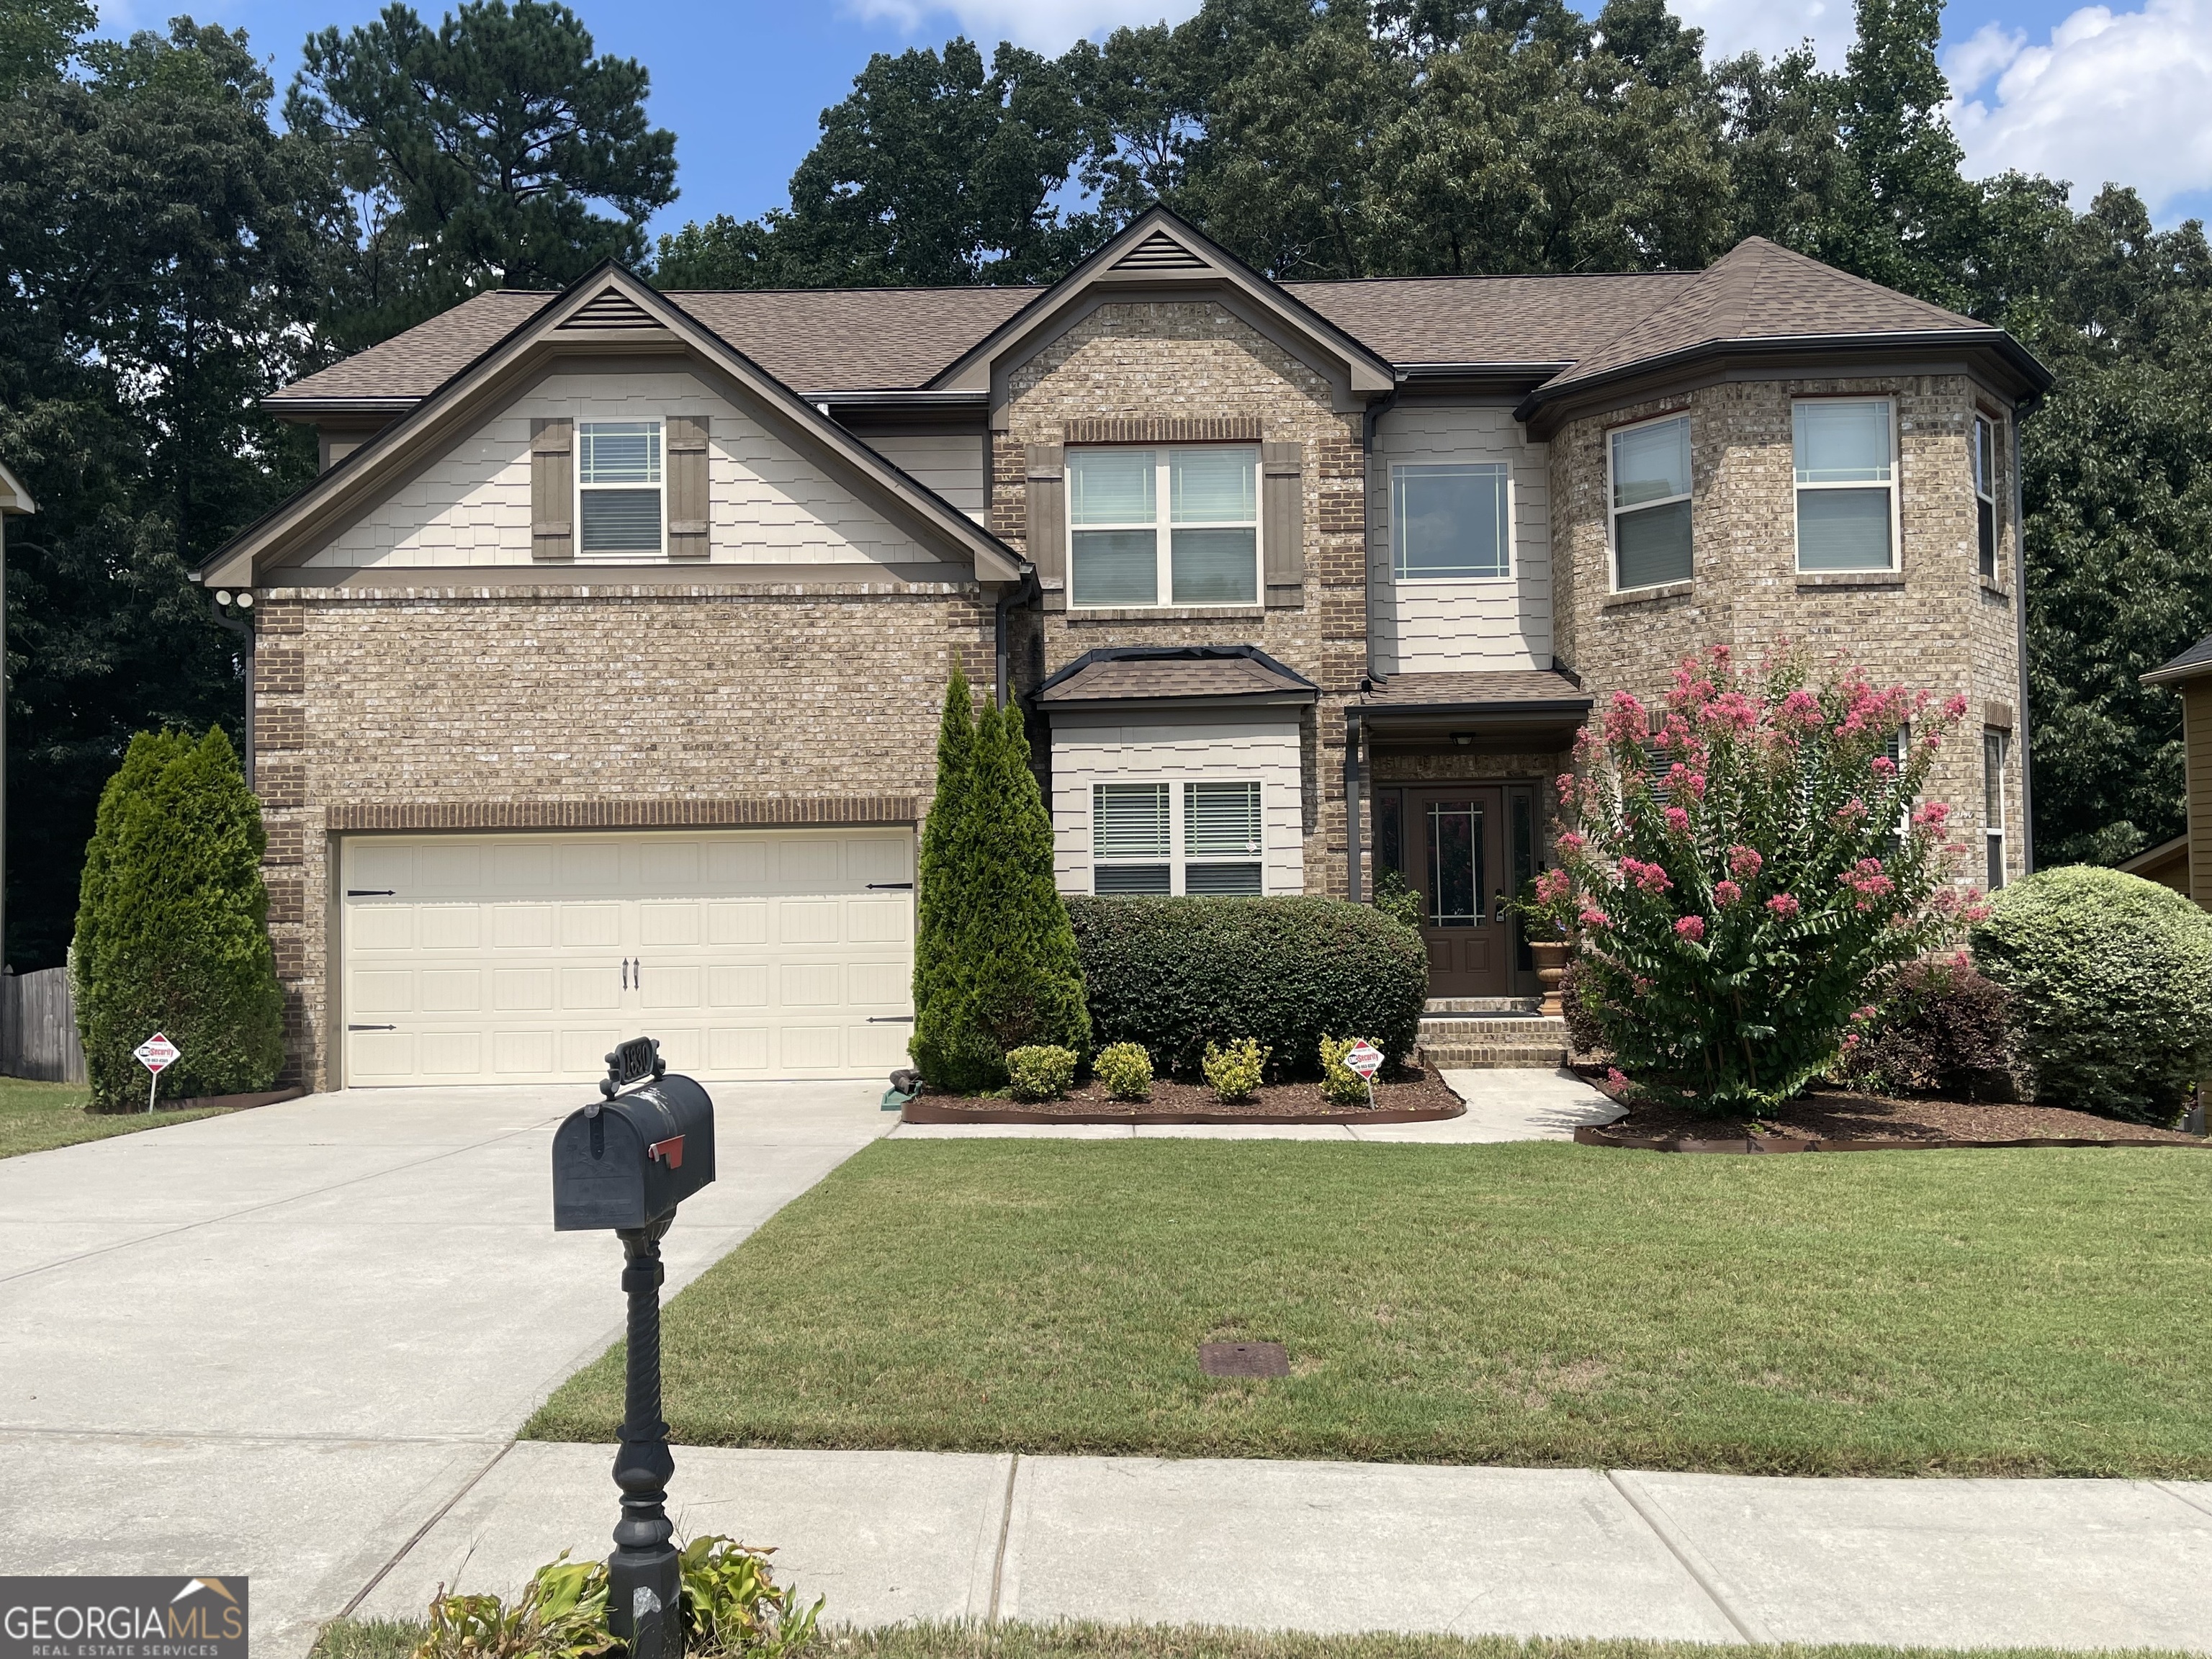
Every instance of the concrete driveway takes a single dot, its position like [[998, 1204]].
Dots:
[[281, 1343]]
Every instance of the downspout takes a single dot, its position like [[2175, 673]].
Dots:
[[1353, 838], [1022, 592], [2020, 622]]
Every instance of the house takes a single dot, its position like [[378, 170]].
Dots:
[[597, 676], [2184, 863]]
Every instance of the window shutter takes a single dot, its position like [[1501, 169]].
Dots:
[[1283, 522], [688, 511], [552, 488], [1046, 521]]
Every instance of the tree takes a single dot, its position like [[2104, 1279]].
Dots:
[[37, 38], [484, 154], [172, 932], [941, 897]]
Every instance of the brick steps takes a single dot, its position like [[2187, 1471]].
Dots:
[[1493, 1041], [1458, 1057]]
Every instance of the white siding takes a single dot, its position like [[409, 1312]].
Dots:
[[471, 505], [950, 464], [1425, 626], [1217, 747]]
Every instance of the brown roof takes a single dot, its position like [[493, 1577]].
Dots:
[[1503, 686], [415, 364], [2196, 660], [1488, 319], [1194, 672], [868, 339]]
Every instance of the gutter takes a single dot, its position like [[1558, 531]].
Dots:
[[2019, 627]]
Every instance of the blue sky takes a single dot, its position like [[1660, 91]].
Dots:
[[2082, 92]]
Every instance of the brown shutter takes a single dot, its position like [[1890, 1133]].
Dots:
[[688, 514], [1046, 535], [1283, 522], [552, 488]]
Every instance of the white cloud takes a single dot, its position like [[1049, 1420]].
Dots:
[[2117, 97], [1050, 26], [1769, 27]]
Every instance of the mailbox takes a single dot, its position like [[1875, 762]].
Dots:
[[628, 1161]]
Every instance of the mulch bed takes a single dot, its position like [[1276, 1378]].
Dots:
[[1415, 1097], [1838, 1114]]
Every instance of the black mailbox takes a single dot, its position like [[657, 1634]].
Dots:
[[629, 1161]]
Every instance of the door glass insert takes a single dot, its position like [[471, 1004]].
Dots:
[[1456, 879]]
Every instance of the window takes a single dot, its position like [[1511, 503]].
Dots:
[[1457, 882], [1985, 492], [1994, 745], [1221, 837], [619, 486], [1846, 484], [1164, 526], [1450, 521], [1136, 847], [1651, 503]]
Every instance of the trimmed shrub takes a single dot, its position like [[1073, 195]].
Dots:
[[940, 899], [1397, 901], [1039, 1072], [1585, 1035], [1235, 1072], [2110, 978], [1939, 1029], [1125, 1070], [170, 927], [1173, 973], [1339, 1084]]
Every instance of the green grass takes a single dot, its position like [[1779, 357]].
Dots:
[[2026, 1312], [34, 1116], [345, 1638]]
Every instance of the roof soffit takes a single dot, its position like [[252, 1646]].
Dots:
[[607, 311]]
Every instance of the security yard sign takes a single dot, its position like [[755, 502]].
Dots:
[[1365, 1058], [156, 1053]]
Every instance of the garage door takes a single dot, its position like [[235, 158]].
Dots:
[[523, 958]]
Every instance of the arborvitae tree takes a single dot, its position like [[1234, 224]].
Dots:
[[941, 899], [171, 931]]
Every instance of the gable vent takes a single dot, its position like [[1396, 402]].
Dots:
[[1159, 252], [612, 308]]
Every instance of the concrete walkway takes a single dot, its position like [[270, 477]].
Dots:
[[1353, 1547]]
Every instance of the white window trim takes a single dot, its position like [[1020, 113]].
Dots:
[[1613, 510], [1985, 489], [1896, 468], [1178, 858], [1995, 833], [1162, 529], [1398, 575], [580, 489]]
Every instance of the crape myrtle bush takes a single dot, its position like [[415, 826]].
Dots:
[[1175, 973], [1939, 1028], [2110, 978], [1740, 875]]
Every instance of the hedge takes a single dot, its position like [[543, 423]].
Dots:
[[2110, 978], [1174, 974]]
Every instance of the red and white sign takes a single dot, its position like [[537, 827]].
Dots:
[[1365, 1058], [156, 1053]]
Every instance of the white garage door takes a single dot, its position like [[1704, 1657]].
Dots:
[[523, 958]]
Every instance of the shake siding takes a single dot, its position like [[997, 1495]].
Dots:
[[1154, 748], [950, 464], [1426, 626], [2196, 727], [768, 504]]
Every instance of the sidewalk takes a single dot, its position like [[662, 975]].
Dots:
[[1356, 1546]]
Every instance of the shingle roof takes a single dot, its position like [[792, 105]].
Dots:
[[1504, 685], [1132, 674], [874, 339], [2198, 659], [416, 363], [1488, 319]]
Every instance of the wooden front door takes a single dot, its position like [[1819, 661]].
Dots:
[[1456, 858]]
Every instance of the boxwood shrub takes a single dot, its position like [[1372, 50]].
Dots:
[[2110, 978], [1175, 973]]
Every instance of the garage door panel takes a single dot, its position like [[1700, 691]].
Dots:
[[812, 864], [385, 991], [737, 921], [738, 985], [380, 1056], [737, 1048], [878, 1046], [521, 926], [878, 984], [591, 926], [584, 1050], [383, 927], [883, 859], [806, 922], [874, 922], [522, 990], [591, 867], [451, 866], [451, 990], [449, 927], [812, 1048], [732, 865], [452, 1054], [522, 867], [670, 988], [669, 864], [591, 988], [519, 1052], [809, 985], [668, 924], [383, 863]]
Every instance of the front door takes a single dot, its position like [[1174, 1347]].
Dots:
[[1456, 858]]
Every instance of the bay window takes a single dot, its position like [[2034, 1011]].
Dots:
[[1451, 522], [1650, 479], [1148, 527], [1151, 839], [618, 487], [1846, 483], [1221, 838]]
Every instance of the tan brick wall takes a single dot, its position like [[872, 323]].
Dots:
[[1934, 624], [1122, 371], [556, 705]]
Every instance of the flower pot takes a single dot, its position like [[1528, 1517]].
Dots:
[[1551, 955]]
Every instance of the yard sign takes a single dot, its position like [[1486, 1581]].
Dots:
[[1365, 1059], [156, 1053]]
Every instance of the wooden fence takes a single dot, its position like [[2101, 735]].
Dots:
[[37, 1027]]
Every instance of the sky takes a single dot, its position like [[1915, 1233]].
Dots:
[[2088, 93]]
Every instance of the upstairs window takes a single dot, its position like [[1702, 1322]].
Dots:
[[1846, 484], [1985, 465], [1650, 484], [1164, 526], [1449, 522], [618, 505]]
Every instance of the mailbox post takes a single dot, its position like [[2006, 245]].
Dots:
[[624, 1163]]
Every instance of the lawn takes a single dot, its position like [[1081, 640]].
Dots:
[[34, 1116], [2026, 1312], [388, 1639]]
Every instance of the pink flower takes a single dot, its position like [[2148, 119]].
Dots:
[[1594, 917], [1931, 817], [1732, 711], [1953, 706], [1627, 720], [1851, 811], [1799, 711], [1745, 862], [1678, 821], [1649, 877], [1570, 840], [1783, 905], [1690, 928], [1641, 986], [1726, 892], [1551, 886], [1884, 768], [1615, 1078], [1566, 788], [1863, 1014]]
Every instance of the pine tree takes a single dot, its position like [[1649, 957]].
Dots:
[[941, 901], [172, 925]]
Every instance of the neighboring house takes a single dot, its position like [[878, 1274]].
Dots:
[[2184, 863], [598, 677]]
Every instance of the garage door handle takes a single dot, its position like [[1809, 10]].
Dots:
[[371, 1028], [370, 892], [890, 1019], [890, 887]]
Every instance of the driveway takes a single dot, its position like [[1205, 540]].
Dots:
[[281, 1343]]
